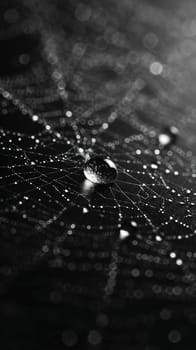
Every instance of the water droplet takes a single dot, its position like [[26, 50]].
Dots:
[[68, 114], [168, 136], [100, 170], [154, 166], [124, 234], [133, 223]]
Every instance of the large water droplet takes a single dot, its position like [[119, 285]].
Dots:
[[123, 234], [168, 136], [100, 170]]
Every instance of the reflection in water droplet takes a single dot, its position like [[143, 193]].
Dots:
[[87, 188], [100, 171], [168, 136]]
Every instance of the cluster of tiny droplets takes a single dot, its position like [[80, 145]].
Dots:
[[83, 103]]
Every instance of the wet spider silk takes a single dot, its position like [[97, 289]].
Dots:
[[98, 174]]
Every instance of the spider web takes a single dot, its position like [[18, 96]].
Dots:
[[89, 90]]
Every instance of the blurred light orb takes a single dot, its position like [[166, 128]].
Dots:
[[156, 68], [94, 337], [150, 40], [168, 136], [69, 338]]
